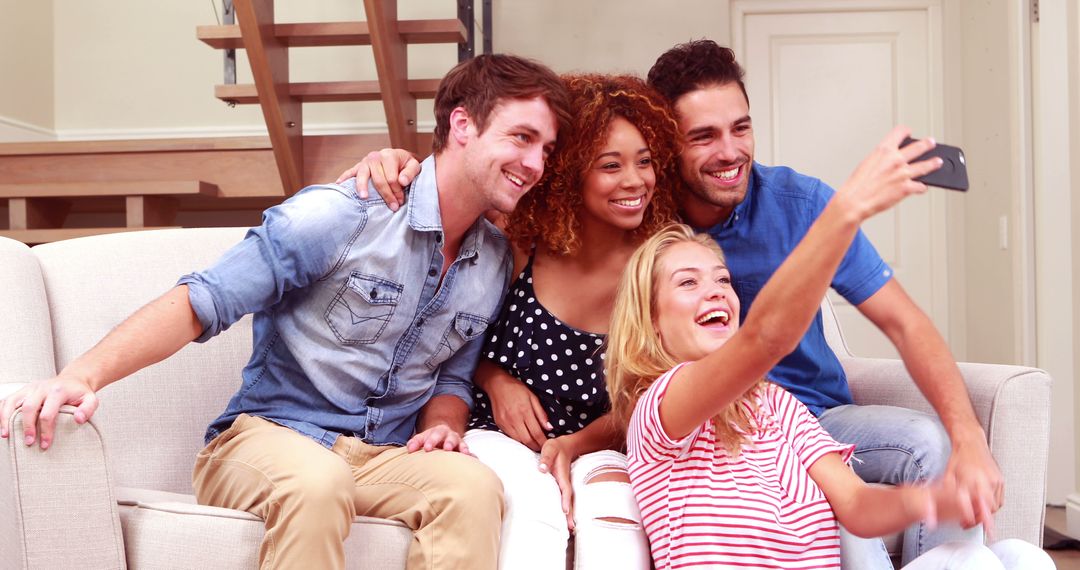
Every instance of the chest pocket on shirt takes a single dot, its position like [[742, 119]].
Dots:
[[464, 327], [362, 308]]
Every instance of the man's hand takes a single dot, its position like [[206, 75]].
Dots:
[[389, 169], [40, 402], [555, 458], [517, 411], [978, 477], [438, 437]]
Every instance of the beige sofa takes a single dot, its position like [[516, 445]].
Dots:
[[117, 492]]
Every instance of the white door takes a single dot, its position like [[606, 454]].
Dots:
[[826, 80]]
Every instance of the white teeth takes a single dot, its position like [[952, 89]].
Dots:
[[514, 179], [727, 174], [716, 314], [629, 202]]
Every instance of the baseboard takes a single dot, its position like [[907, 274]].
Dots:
[[12, 130], [310, 129], [1072, 515]]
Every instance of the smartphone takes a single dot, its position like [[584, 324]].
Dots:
[[953, 171]]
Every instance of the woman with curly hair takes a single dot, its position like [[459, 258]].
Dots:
[[542, 417]]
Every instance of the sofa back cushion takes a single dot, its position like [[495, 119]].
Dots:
[[26, 344], [153, 421]]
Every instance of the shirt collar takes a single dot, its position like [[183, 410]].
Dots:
[[742, 209], [425, 216]]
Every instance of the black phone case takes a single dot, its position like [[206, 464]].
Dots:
[[953, 171]]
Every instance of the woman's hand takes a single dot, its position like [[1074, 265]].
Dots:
[[517, 411], [887, 175], [389, 169], [555, 458]]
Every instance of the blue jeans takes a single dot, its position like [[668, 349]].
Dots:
[[893, 445]]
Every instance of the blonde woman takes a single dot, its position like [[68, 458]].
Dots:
[[729, 470]]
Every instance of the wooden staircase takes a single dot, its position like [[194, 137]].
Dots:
[[150, 181]]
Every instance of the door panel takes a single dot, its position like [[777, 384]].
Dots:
[[825, 85]]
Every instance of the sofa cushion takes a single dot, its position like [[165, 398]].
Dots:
[[26, 342], [169, 530], [152, 422]]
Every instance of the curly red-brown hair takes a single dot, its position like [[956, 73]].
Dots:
[[550, 213]]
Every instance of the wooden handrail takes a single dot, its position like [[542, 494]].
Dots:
[[208, 144], [85, 189], [33, 237]]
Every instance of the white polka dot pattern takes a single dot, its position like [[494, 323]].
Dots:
[[561, 365]]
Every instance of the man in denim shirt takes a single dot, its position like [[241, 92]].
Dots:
[[367, 328], [758, 214]]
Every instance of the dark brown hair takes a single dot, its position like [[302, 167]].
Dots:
[[480, 83], [549, 214], [695, 65]]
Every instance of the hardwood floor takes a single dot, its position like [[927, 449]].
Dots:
[[1064, 551]]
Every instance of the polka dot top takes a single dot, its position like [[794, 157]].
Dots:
[[563, 366]]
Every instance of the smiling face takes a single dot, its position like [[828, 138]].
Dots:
[[715, 163], [507, 159], [696, 310], [619, 183]]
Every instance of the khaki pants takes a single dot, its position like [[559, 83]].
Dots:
[[308, 496]]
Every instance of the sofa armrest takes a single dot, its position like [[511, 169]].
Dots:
[[63, 511], [1012, 404]]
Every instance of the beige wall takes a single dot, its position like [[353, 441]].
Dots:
[[989, 107], [1072, 18], [26, 68], [1054, 179], [129, 67], [605, 35]]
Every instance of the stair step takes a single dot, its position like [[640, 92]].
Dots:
[[315, 34], [326, 91], [34, 237], [84, 189]]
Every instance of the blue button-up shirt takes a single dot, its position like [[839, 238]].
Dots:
[[779, 208], [353, 332]]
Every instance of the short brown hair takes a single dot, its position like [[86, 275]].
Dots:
[[550, 213], [479, 83], [695, 65]]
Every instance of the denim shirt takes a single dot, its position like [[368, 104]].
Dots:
[[779, 208], [353, 332]]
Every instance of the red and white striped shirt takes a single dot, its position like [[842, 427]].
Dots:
[[701, 507]]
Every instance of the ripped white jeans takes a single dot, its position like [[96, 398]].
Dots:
[[534, 533]]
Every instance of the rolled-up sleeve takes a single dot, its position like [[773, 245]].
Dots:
[[297, 243]]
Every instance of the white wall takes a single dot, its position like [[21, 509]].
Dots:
[[1054, 236], [26, 66], [132, 68], [989, 109], [612, 36]]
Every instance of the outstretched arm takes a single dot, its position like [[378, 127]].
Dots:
[[870, 511], [150, 335], [790, 299], [932, 366]]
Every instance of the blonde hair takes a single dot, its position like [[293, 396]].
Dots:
[[635, 357]]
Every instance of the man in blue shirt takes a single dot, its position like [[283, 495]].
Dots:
[[367, 329], [758, 214]]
